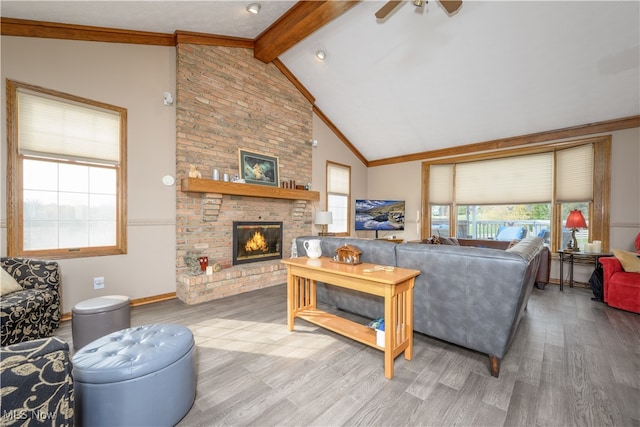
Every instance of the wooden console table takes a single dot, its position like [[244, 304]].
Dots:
[[396, 287]]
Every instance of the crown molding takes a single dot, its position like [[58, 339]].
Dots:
[[516, 141], [294, 80], [54, 30], [211, 39], [340, 135]]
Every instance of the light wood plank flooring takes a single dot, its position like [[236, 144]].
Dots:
[[573, 362]]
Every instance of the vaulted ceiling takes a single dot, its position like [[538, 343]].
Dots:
[[421, 80]]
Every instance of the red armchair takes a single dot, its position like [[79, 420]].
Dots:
[[621, 288]]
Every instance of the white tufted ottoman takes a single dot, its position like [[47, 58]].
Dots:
[[141, 376]]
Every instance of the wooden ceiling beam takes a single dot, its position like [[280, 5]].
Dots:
[[301, 20]]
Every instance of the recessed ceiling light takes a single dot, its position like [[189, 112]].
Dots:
[[254, 8], [321, 54]]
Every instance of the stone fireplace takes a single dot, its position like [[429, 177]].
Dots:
[[256, 241], [227, 100]]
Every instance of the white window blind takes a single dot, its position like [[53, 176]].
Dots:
[[574, 171], [441, 184], [338, 179], [522, 179], [62, 129]]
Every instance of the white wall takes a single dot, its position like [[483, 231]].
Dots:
[[403, 181], [625, 189], [400, 181], [133, 77], [331, 148]]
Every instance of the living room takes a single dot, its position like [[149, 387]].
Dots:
[[159, 143], [136, 76]]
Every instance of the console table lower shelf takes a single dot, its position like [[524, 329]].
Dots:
[[396, 287]]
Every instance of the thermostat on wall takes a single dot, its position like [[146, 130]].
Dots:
[[168, 180]]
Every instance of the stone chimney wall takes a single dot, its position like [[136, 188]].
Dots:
[[227, 100]]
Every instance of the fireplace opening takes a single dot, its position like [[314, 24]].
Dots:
[[256, 241]]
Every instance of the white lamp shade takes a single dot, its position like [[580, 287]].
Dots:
[[324, 218]]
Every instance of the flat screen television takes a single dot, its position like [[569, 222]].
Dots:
[[379, 214]]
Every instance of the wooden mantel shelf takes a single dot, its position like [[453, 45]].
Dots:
[[200, 185]]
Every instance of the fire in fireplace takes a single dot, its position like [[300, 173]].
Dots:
[[256, 241]]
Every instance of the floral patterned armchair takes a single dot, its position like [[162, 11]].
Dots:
[[36, 384], [33, 312]]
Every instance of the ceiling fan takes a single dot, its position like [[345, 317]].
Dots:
[[450, 6]]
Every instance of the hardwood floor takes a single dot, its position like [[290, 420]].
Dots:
[[573, 362]]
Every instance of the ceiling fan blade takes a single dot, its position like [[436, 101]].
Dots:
[[387, 8], [451, 5]]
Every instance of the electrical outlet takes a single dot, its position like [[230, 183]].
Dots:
[[98, 283]]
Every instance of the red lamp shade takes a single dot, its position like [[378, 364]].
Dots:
[[576, 219]]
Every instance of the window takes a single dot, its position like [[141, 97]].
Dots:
[[339, 197], [66, 181], [440, 221], [574, 190], [504, 222], [531, 193]]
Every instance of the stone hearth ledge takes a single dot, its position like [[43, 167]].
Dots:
[[194, 289]]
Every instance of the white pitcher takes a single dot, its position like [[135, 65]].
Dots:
[[313, 248]]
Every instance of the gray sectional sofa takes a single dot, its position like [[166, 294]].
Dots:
[[468, 296]]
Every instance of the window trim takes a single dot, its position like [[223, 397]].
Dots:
[[348, 167], [599, 207], [15, 217]]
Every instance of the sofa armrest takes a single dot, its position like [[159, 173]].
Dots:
[[544, 270], [610, 266], [33, 273], [37, 383]]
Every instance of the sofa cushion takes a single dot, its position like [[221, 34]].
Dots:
[[513, 243], [452, 241], [7, 283], [630, 261], [441, 240]]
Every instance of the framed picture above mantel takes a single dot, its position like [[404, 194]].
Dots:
[[260, 169]]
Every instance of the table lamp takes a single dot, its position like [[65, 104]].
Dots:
[[324, 218], [575, 220]]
